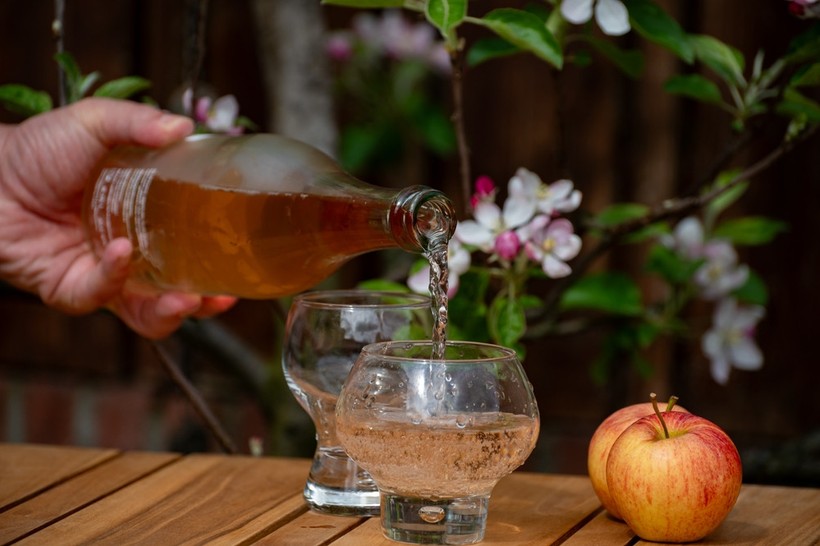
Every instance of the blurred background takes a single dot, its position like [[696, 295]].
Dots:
[[90, 381]]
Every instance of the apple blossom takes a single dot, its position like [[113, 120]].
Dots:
[[485, 190], [611, 15], [559, 196], [394, 36], [219, 116], [720, 274], [491, 221], [686, 239], [507, 245], [551, 243], [805, 9], [458, 261], [730, 341]]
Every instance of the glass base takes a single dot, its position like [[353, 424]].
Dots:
[[340, 502], [425, 521], [338, 486]]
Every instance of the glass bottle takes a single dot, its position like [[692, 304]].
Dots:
[[257, 216]]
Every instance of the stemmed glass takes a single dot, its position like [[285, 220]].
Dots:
[[437, 434], [325, 332]]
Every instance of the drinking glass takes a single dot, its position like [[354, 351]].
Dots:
[[437, 434], [325, 332]]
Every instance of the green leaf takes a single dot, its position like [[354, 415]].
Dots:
[[611, 292], [446, 14], [723, 201], [693, 86], [528, 301], [726, 61], [805, 47], [383, 285], [24, 100], [506, 320], [750, 230], [467, 308], [526, 31], [73, 76], [490, 48], [122, 88], [672, 267], [654, 24], [808, 76], [620, 213], [652, 231], [436, 129], [797, 105], [753, 291], [629, 61], [365, 3]]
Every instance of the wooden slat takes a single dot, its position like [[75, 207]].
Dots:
[[602, 529], [27, 469], [77, 492], [311, 528], [525, 508], [200, 499], [770, 516]]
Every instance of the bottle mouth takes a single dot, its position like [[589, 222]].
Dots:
[[425, 217]]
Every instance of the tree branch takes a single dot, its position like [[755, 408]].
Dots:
[[457, 83], [669, 209]]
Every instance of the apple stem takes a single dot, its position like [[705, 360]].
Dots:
[[654, 399], [672, 401]]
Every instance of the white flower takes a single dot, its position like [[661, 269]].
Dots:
[[611, 15], [686, 239], [721, 273], [730, 342], [490, 222], [551, 243], [559, 196], [223, 114], [458, 262]]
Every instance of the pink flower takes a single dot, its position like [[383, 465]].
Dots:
[[805, 9], [485, 190], [507, 245], [491, 222], [551, 243], [339, 46], [721, 273]]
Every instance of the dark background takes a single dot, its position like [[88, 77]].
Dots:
[[89, 381]]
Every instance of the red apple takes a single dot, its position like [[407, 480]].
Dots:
[[674, 486], [601, 442]]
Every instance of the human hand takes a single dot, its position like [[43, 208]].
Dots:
[[45, 163]]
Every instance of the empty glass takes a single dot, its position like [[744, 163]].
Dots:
[[437, 435], [325, 332]]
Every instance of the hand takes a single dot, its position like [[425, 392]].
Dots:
[[45, 163]]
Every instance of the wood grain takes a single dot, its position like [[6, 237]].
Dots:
[[200, 499], [67, 496], [27, 469], [80, 491]]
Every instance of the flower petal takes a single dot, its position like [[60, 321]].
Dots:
[[577, 11], [419, 282], [612, 17], [720, 369], [488, 215], [518, 212], [746, 354], [472, 233], [555, 268]]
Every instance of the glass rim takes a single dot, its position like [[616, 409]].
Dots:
[[501, 352], [335, 299]]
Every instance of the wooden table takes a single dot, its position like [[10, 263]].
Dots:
[[67, 495]]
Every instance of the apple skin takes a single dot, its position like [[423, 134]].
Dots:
[[676, 489], [601, 443]]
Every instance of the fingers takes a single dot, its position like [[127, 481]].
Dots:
[[158, 316], [116, 122]]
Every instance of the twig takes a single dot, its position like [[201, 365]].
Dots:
[[57, 31], [196, 400], [457, 62]]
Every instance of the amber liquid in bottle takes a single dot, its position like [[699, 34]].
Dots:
[[228, 238]]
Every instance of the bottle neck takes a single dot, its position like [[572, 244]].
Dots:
[[420, 217]]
